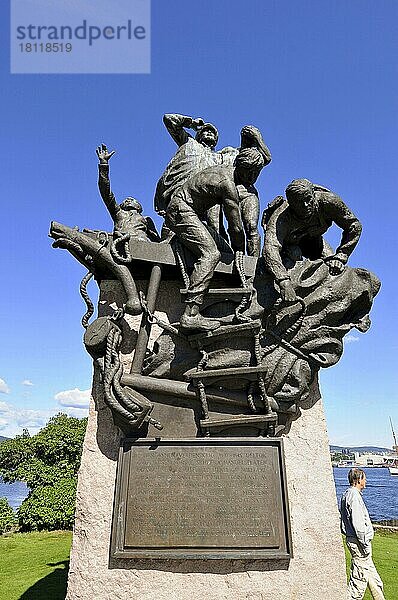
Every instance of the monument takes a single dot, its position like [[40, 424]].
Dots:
[[205, 470]]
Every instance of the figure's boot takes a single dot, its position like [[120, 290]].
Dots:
[[198, 323]]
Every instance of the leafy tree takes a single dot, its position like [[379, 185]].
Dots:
[[48, 463], [7, 516], [49, 507]]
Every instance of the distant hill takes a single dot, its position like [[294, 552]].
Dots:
[[374, 449], [3, 439]]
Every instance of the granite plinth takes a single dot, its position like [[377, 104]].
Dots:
[[316, 571]]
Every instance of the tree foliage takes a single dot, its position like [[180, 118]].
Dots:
[[48, 463], [49, 507], [7, 516]]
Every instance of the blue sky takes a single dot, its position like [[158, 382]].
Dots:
[[320, 81]]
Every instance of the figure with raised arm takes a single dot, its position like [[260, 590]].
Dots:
[[127, 216], [249, 203], [197, 153], [194, 154]]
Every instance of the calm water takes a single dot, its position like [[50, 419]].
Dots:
[[380, 494], [14, 492]]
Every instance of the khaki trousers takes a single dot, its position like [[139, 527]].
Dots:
[[363, 573]]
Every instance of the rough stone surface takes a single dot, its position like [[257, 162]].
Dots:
[[317, 571]]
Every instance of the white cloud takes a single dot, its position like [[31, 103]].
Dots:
[[79, 413], [27, 382], [13, 419], [4, 389], [76, 398], [351, 338]]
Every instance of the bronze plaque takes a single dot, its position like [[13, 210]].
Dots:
[[201, 498]]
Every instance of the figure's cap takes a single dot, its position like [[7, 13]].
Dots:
[[299, 187], [204, 127]]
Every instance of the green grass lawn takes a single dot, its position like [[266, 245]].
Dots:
[[385, 558], [34, 566]]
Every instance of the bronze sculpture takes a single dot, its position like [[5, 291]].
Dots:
[[245, 352], [194, 154]]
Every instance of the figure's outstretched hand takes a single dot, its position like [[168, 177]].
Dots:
[[287, 291], [103, 154]]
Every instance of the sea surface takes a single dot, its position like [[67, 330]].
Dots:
[[14, 492], [380, 494]]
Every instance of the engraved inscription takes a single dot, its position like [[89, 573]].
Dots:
[[204, 496]]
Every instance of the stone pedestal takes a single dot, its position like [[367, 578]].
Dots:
[[316, 572]]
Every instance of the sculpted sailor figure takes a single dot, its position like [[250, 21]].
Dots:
[[127, 216], [185, 215], [249, 203], [194, 154], [294, 229]]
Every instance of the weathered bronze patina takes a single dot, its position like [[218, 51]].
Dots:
[[253, 330], [212, 498]]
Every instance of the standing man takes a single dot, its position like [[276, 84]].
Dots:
[[249, 202], [356, 526], [197, 153], [194, 154], [185, 216]]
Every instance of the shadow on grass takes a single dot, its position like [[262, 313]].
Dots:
[[51, 586]]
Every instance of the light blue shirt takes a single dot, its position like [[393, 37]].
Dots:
[[355, 519]]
